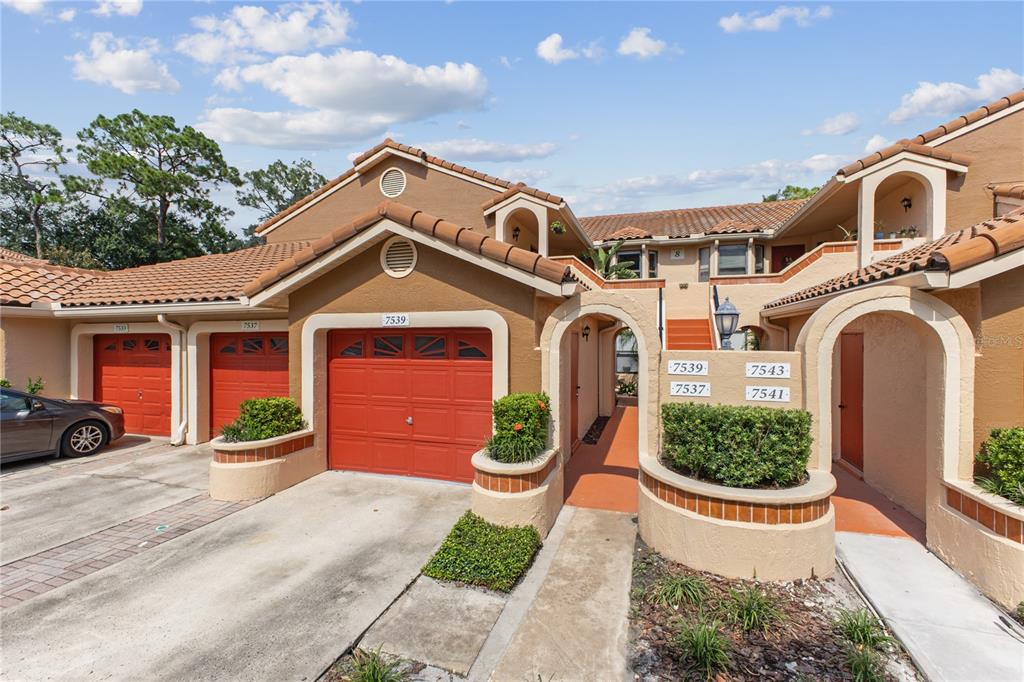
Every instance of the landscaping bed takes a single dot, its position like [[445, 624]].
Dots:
[[749, 630]]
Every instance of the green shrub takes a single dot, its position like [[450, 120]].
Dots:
[[520, 427], [264, 418], [372, 666], [862, 629], [752, 609], [480, 553], [35, 386], [677, 589], [626, 387], [865, 664], [742, 447], [703, 646], [1002, 455], [5, 383]]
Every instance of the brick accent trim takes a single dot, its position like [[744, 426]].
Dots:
[[262, 454], [803, 263], [730, 510], [581, 269], [517, 483], [996, 521]]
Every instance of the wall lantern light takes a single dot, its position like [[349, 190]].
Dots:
[[515, 233], [726, 319], [906, 203], [586, 332]]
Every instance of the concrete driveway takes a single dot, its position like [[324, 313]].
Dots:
[[272, 592]]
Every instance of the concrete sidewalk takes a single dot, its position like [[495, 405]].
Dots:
[[950, 630]]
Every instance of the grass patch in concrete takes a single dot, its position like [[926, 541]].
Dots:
[[480, 553]]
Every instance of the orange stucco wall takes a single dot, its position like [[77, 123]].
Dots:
[[999, 366]]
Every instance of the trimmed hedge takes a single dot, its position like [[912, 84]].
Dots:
[[1002, 455], [480, 553], [264, 418], [740, 447], [520, 427]]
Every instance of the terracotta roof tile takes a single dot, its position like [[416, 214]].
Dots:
[[217, 277], [903, 146], [630, 232], [522, 188], [11, 255], [951, 253], [732, 226], [762, 216], [421, 222], [1013, 190], [26, 282], [970, 117]]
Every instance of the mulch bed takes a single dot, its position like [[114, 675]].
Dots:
[[595, 431], [803, 646]]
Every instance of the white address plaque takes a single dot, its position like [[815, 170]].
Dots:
[[769, 370], [688, 367], [395, 320], [690, 389], [768, 394], [121, 328], [250, 325]]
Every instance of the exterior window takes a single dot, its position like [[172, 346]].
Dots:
[[278, 344], [387, 346], [252, 345], [110, 346], [128, 344], [652, 263], [732, 259], [759, 259], [470, 351], [431, 347], [632, 259], [355, 350], [229, 348], [627, 359], [704, 264], [151, 344]]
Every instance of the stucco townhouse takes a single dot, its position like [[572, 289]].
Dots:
[[402, 297]]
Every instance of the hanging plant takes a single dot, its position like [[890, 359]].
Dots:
[[558, 227]]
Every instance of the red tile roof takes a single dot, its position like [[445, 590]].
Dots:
[[903, 146], [630, 232], [1012, 190], [970, 117], [32, 280], [217, 277], [522, 188], [11, 255], [761, 216], [463, 237], [951, 253]]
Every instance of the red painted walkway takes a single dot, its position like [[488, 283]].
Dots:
[[862, 509], [604, 475]]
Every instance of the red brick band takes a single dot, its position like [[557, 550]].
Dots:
[[789, 272], [262, 454], [993, 519], [516, 483], [731, 510]]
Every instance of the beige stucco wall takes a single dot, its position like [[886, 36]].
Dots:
[[589, 374], [726, 370], [999, 397], [36, 347], [452, 198]]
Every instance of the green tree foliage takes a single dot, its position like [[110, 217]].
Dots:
[[604, 265], [31, 156], [158, 166], [791, 192], [272, 189]]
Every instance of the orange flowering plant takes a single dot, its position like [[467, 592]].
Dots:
[[520, 427]]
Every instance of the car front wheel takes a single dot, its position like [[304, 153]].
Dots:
[[83, 439]]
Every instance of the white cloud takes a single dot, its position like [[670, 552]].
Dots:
[[473, 149], [756, 21], [25, 6], [508, 62], [344, 97], [66, 15], [528, 176], [942, 99], [840, 124], [639, 43], [112, 61], [876, 142], [551, 50], [248, 31], [124, 8]]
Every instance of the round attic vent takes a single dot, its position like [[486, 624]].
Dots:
[[392, 183], [398, 257]]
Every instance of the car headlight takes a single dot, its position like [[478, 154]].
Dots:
[[112, 409]]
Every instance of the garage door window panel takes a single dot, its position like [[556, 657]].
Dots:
[[244, 367]]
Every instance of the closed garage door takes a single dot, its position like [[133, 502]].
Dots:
[[243, 366], [415, 403], [133, 371]]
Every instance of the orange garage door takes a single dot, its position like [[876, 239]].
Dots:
[[416, 403], [133, 371], [243, 366]]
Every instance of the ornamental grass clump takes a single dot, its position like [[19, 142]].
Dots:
[[261, 418], [520, 427], [1002, 456], [703, 646], [752, 609], [737, 446], [679, 589]]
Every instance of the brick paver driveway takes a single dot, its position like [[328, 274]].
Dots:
[[271, 591]]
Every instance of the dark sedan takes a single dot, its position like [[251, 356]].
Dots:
[[32, 426]]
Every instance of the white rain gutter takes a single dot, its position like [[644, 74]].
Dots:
[[178, 437]]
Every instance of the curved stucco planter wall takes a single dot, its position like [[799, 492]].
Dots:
[[739, 533], [254, 469], [529, 493]]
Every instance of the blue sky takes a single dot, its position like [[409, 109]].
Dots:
[[618, 107]]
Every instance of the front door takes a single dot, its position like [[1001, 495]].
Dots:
[[851, 399], [782, 256], [574, 387]]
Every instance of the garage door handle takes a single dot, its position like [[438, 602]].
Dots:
[[408, 420], [842, 407]]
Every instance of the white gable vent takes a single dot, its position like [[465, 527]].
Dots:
[[392, 183], [398, 257]]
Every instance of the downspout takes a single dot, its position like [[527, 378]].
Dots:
[[178, 437], [768, 324]]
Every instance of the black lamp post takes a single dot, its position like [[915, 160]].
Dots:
[[726, 319]]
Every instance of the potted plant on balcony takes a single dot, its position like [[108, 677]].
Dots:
[[558, 227]]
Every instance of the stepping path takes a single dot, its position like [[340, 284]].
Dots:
[[604, 475], [951, 631]]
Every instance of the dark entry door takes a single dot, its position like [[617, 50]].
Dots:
[[851, 399], [784, 255]]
